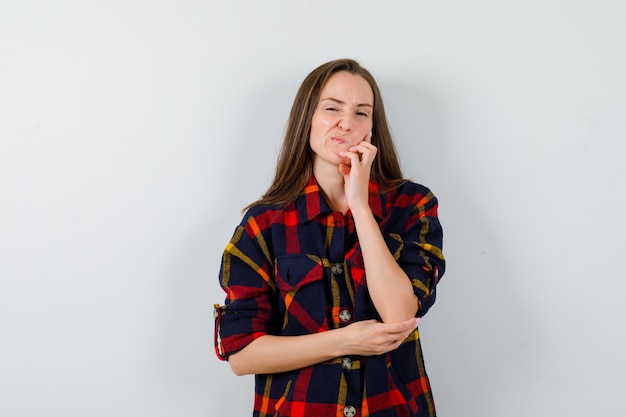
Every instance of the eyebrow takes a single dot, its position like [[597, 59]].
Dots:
[[341, 102]]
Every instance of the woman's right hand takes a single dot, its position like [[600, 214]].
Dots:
[[372, 337]]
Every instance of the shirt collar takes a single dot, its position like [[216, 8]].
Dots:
[[311, 202]]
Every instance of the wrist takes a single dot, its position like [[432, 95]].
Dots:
[[361, 210], [336, 342]]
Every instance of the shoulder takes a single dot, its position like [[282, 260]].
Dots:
[[262, 216], [412, 194], [414, 188]]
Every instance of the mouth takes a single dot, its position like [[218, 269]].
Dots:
[[339, 140]]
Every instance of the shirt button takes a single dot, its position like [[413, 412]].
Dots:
[[345, 315], [346, 363], [336, 269], [349, 411]]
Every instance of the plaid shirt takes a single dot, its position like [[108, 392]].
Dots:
[[298, 269]]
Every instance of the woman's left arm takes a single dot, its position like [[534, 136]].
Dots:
[[389, 286]]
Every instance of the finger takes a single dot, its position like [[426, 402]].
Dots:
[[393, 345], [364, 145], [353, 156], [344, 169], [366, 149], [403, 326]]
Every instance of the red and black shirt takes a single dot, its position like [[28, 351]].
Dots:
[[298, 269]]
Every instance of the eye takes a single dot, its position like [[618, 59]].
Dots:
[[362, 113], [331, 108]]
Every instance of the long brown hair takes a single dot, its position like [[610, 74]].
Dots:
[[295, 160]]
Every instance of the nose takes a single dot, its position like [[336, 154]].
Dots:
[[346, 122]]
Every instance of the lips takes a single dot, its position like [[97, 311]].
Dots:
[[339, 140]]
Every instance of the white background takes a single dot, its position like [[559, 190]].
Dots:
[[133, 133]]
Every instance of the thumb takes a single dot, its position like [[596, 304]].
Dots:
[[344, 170]]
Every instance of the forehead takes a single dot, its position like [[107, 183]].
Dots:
[[349, 88]]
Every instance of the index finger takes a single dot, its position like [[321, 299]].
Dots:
[[402, 326]]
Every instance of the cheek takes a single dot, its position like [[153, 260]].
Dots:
[[316, 132], [316, 125], [366, 126]]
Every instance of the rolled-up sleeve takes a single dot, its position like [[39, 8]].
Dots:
[[246, 275], [421, 255]]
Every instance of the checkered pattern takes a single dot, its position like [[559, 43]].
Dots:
[[298, 269]]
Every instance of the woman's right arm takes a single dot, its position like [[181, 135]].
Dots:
[[270, 354]]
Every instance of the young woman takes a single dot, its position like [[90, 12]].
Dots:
[[328, 273]]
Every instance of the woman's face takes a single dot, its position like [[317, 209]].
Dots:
[[343, 118]]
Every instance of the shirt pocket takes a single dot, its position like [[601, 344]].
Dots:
[[302, 300]]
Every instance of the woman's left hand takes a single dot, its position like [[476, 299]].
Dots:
[[357, 175]]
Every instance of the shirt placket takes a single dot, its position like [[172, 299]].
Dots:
[[343, 311]]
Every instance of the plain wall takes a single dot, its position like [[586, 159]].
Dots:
[[132, 133]]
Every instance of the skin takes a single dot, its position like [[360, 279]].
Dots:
[[341, 141]]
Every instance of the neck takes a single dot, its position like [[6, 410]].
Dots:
[[332, 185]]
